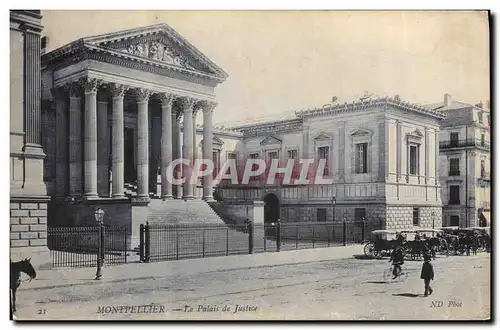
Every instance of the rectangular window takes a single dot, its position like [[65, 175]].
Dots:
[[231, 155], [292, 154], [254, 156], [454, 195], [323, 154], [488, 118], [483, 169], [359, 214], [454, 221], [454, 166], [413, 160], [321, 214], [480, 117], [415, 216], [361, 158], [482, 139], [454, 139], [272, 155]]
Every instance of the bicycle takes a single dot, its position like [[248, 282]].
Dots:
[[402, 275]]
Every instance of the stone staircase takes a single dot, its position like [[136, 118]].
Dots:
[[177, 211], [220, 210]]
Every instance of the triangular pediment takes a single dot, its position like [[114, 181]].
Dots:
[[158, 43], [416, 133], [216, 140], [361, 132], [322, 137], [270, 140]]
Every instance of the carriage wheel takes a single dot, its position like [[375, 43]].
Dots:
[[368, 249]]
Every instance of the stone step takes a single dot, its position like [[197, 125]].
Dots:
[[178, 211]]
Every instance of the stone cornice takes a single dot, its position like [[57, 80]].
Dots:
[[282, 126], [355, 106], [28, 20]]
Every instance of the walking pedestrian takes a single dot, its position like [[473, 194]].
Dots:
[[427, 274]]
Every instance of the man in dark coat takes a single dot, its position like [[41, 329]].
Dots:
[[427, 274]]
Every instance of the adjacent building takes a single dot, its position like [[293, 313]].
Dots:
[[464, 144], [28, 193]]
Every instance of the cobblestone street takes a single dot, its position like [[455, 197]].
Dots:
[[335, 288]]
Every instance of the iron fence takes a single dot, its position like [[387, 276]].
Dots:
[[174, 242], [79, 246]]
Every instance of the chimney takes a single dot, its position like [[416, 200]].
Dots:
[[447, 100]]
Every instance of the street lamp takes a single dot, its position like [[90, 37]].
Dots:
[[433, 216], [99, 217]]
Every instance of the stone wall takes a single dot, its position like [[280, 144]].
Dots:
[[400, 217], [28, 228]]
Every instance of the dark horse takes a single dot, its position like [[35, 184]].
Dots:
[[16, 268]]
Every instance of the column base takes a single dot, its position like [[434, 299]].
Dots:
[[208, 198], [140, 200], [167, 197], [90, 196], [119, 196], [187, 197]]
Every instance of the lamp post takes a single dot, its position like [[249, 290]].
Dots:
[[334, 203], [99, 217], [433, 216]]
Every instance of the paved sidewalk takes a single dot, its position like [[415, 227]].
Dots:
[[65, 277]]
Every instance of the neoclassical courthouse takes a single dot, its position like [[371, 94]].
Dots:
[[117, 108]]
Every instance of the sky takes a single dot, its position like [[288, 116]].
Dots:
[[282, 61]]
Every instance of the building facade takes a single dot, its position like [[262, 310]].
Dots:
[[28, 193], [382, 155], [465, 163]]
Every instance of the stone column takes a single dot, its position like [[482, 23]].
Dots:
[[187, 144], [176, 145], [102, 148], [90, 139], [142, 143], [117, 162], [195, 149], [75, 140], [399, 153], [166, 143], [61, 141], [208, 108]]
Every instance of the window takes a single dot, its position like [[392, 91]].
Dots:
[[359, 214], [254, 156], [454, 139], [454, 220], [480, 117], [488, 118], [415, 216], [361, 158], [413, 160], [483, 170], [231, 155], [272, 155], [323, 154], [454, 166], [292, 154], [482, 139], [454, 195], [321, 214]]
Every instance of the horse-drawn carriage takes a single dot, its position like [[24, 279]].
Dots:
[[425, 240], [465, 240], [384, 243]]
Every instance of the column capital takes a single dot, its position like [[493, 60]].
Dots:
[[186, 103], [90, 85], [209, 106], [117, 90], [166, 99], [142, 94], [74, 89], [177, 114]]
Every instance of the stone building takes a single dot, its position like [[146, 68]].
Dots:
[[465, 163], [118, 108], [382, 155], [28, 194]]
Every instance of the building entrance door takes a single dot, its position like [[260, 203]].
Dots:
[[130, 174]]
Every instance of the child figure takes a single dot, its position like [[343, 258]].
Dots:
[[427, 274]]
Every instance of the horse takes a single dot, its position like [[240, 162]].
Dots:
[[16, 268]]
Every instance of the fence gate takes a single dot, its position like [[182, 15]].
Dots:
[[79, 246]]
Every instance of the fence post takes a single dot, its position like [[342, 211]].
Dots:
[[203, 243], [227, 241], [278, 236], [141, 242], [176, 243], [328, 235], [363, 224], [250, 236], [344, 232], [313, 236], [147, 242]]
